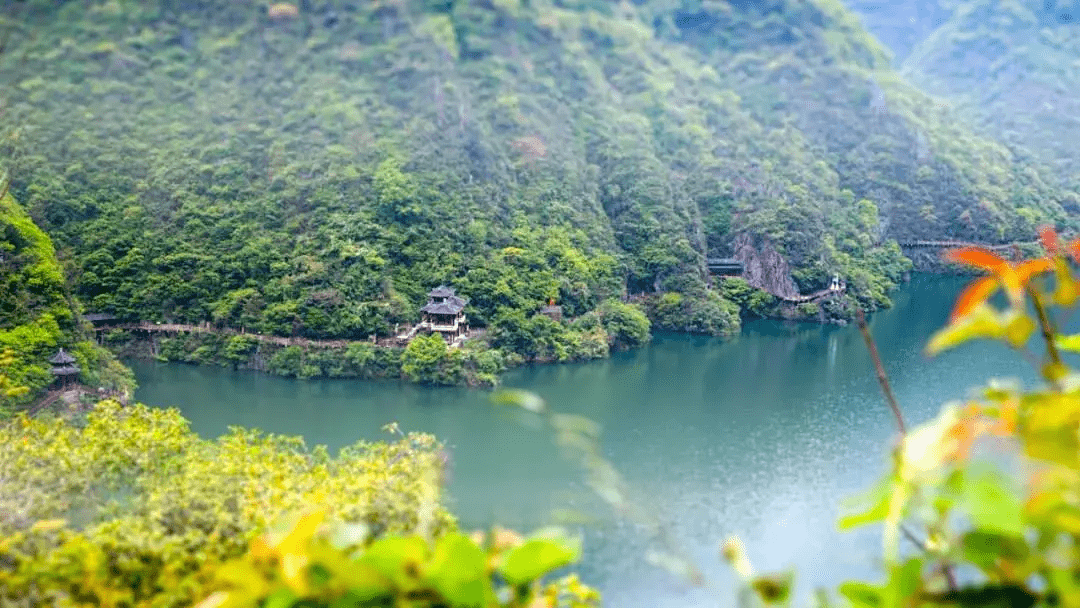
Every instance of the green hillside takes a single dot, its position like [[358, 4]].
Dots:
[[37, 314], [1010, 69], [315, 169]]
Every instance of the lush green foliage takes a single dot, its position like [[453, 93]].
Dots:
[[317, 174], [756, 302], [541, 338], [135, 506], [313, 564], [712, 314], [626, 325], [427, 359], [8, 388], [37, 314]]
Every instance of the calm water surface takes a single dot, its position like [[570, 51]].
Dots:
[[758, 436]]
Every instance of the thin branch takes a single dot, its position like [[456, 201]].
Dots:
[[883, 379], [946, 568], [1047, 333]]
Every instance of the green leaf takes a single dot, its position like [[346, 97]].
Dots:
[[984, 548], [1068, 343], [397, 558], [773, 588], [365, 584], [535, 558], [991, 505], [861, 595], [904, 582], [458, 571], [982, 322], [874, 503], [1058, 445], [1019, 329], [282, 598]]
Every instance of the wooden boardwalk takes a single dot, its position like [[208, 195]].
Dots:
[[919, 244], [812, 297], [49, 399], [183, 328]]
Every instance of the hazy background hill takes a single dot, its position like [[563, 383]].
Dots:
[[316, 168], [1010, 69]]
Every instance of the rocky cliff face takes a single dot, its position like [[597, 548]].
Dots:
[[764, 267]]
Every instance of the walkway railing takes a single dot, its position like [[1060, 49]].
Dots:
[[208, 329], [915, 244]]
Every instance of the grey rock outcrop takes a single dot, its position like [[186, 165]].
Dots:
[[764, 267]]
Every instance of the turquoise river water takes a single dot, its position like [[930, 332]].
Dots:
[[760, 435]]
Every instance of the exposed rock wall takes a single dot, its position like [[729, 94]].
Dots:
[[764, 267]]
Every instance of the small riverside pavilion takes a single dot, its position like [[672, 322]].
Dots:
[[64, 367], [445, 314]]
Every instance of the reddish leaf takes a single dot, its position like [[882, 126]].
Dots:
[[975, 256], [974, 294], [1074, 249], [1049, 239], [1028, 268]]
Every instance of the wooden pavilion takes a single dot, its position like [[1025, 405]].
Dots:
[[64, 368], [445, 313]]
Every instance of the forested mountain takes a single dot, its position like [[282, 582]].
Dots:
[[1011, 69], [314, 169]]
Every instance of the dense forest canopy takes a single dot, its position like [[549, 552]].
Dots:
[[315, 168]]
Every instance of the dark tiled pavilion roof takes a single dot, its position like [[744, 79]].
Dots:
[[63, 364], [452, 305], [61, 358]]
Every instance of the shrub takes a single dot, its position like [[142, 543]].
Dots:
[[428, 360], [149, 505], [626, 326]]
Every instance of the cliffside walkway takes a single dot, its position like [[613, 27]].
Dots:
[[50, 398], [919, 244], [183, 328], [813, 297]]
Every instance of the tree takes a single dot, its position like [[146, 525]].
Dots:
[[428, 360], [626, 325], [8, 389]]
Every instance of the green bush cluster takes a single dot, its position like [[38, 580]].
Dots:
[[356, 360], [338, 566], [132, 508], [750, 300], [612, 326], [710, 313]]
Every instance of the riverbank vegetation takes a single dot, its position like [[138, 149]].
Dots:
[[978, 507], [513, 339]]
